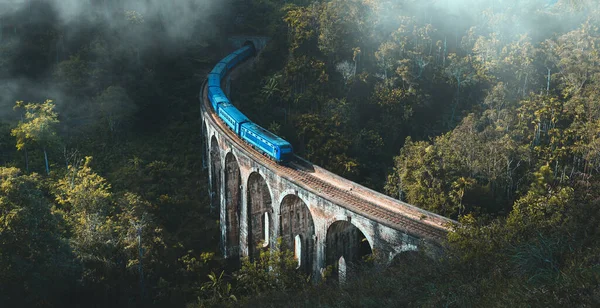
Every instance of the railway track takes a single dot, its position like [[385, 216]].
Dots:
[[399, 216]]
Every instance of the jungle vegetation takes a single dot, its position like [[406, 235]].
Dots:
[[487, 112]]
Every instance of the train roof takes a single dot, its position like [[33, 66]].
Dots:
[[215, 93], [220, 99], [233, 112], [214, 80], [228, 59], [241, 50], [219, 68], [267, 135]]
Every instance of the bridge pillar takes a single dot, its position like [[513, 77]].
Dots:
[[244, 251], [223, 213], [321, 247], [276, 212], [213, 174]]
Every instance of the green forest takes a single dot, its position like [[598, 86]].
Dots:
[[483, 111]]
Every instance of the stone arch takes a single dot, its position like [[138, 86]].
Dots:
[[259, 202], [233, 205], [405, 257], [296, 220], [215, 176], [345, 240]]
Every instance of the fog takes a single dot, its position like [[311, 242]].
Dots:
[[142, 25], [538, 18], [139, 25], [178, 17]]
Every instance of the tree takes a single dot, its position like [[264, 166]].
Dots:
[[84, 199], [462, 73], [577, 58], [301, 23], [275, 269], [115, 107], [36, 260], [140, 238], [135, 21], [459, 187], [39, 127], [72, 76], [341, 24]]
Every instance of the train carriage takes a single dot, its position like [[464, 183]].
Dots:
[[260, 138], [266, 142], [216, 97], [220, 69], [244, 52], [214, 80], [230, 61], [215, 91], [232, 117]]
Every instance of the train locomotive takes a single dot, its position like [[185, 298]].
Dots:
[[259, 138]]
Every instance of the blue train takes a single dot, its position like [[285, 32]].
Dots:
[[259, 138]]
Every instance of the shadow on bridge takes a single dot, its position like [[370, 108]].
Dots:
[[304, 165], [297, 231], [347, 249]]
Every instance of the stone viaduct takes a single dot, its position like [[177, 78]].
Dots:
[[324, 219]]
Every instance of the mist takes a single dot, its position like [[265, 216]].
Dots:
[[540, 19], [140, 27]]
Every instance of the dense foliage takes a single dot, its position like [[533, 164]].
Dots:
[[484, 112], [130, 227], [492, 111]]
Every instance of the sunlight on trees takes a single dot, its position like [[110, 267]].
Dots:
[[37, 128]]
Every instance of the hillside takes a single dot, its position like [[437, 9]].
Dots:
[[487, 112]]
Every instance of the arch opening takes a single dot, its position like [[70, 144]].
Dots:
[[215, 177], [342, 270], [233, 203], [260, 215], [298, 250], [345, 242], [297, 231], [266, 229]]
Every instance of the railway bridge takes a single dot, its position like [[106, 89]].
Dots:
[[324, 219]]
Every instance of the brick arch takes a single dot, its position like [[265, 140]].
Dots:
[[233, 205], [296, 221], [345, 242], [260, 214]]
